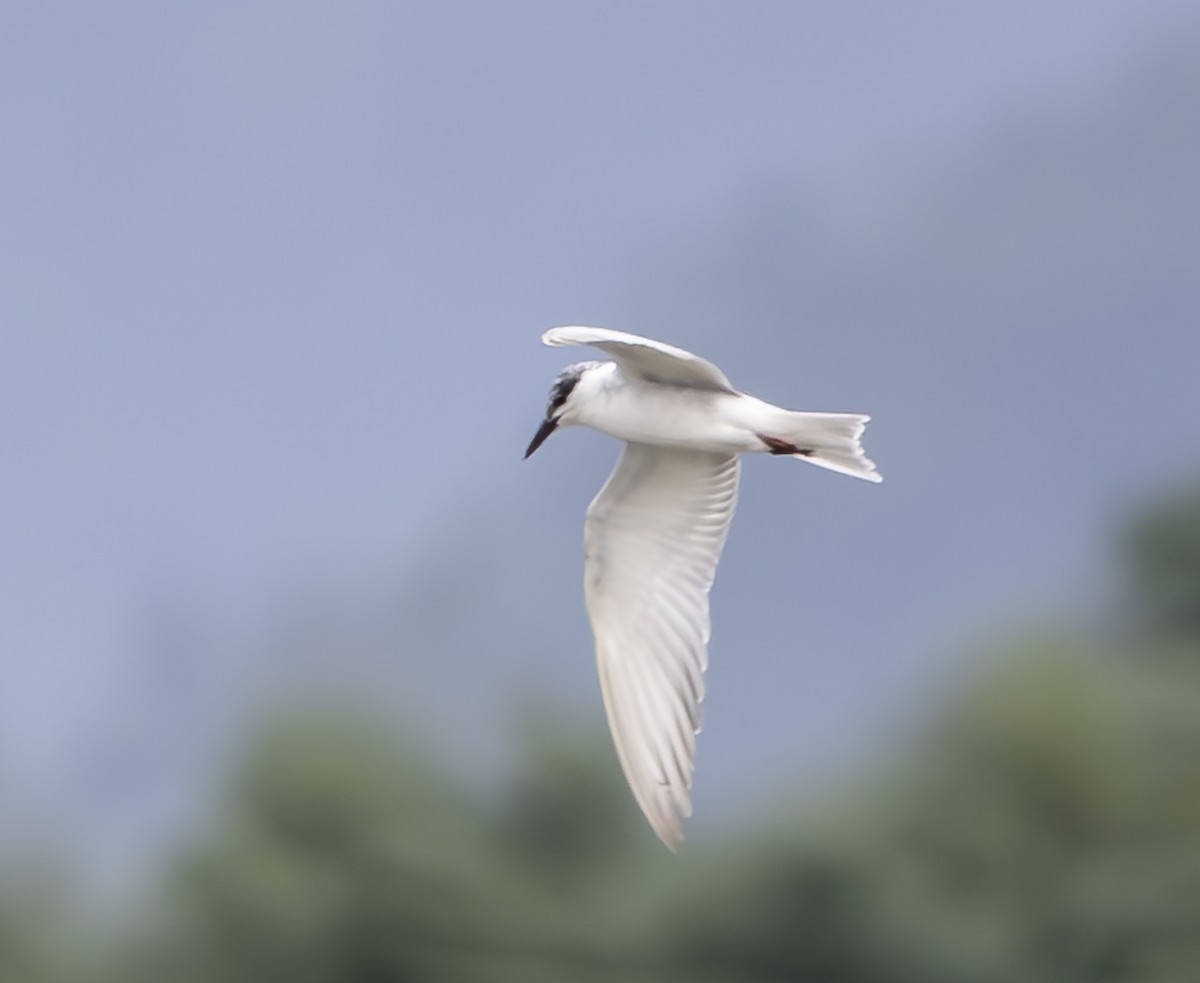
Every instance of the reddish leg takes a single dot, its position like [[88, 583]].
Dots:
[[778, 446]]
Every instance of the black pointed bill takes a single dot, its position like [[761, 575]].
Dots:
[[549, 425]]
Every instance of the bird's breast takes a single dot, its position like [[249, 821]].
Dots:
[[670, 416]]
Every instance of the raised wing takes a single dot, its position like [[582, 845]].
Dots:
[[652, 540], [646, 358]]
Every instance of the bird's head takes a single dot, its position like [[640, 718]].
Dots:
[[565, 397]]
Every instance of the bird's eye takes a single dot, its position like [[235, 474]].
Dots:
[[561, 390]]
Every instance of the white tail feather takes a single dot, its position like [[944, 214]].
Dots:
[[831, 440]]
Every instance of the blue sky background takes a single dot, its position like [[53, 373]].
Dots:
[[271, 283]]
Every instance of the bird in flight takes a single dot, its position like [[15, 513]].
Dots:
[[654, 533]]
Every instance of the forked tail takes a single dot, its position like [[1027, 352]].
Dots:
[[828, 440]]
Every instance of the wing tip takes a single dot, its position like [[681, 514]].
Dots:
[[669, 833], [566, 334]]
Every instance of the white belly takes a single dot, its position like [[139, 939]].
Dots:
[[669, 416]]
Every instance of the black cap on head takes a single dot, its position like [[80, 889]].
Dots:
[[559, 392], [566, 381]]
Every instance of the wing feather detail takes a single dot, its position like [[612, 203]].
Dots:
[[645, 358], [652, 540]]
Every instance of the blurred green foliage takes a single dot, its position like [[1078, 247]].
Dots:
[[1164, 559], [1045, 829]]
